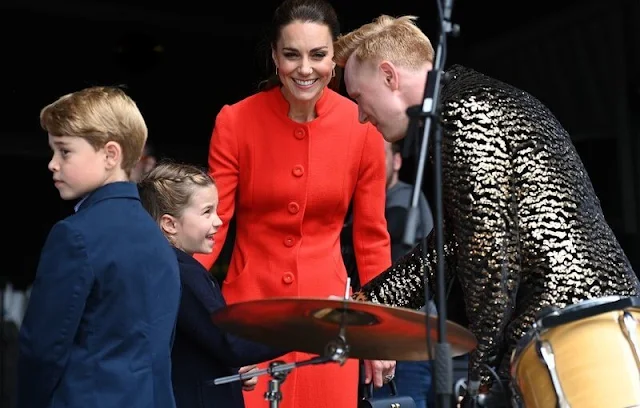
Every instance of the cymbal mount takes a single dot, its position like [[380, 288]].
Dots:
[[273, 394], [336, 350]]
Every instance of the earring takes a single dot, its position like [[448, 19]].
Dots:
[[276, 71], [333, 72]]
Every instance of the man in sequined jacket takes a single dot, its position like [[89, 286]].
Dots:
[[523, 227]]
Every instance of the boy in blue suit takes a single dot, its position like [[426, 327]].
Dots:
[[99, 326]]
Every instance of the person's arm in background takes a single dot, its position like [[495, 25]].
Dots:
[[370, 236], [62, 285], [223, 167]]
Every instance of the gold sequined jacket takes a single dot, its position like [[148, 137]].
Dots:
[[523, 227]]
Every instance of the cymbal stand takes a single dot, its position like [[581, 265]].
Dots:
[[336, 350], [273, 394]]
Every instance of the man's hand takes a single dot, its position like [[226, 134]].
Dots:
[[379, 371], [250, 383]]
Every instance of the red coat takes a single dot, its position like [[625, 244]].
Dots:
[[290, 184]]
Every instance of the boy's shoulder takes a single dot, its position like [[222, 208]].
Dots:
[[112, 214], [114, 221], [64, 227], [117, 227]]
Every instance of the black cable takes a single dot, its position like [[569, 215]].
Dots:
[[451, 282]]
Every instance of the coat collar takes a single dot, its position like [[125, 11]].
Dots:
[[185, 258], [281, 105], [119, 189]]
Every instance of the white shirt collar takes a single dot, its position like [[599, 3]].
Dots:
[[77, 206]]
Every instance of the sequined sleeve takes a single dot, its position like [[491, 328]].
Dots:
[[401, 285]]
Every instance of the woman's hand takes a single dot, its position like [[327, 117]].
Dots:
[[379, 371]]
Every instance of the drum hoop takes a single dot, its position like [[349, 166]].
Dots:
[[587, 308], [577, 311]]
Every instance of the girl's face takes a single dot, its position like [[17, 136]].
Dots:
[[195, 229]]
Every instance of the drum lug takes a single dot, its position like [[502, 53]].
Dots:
[[629, 327], [545, 351]]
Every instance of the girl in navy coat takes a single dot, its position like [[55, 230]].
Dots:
[[183, 201]]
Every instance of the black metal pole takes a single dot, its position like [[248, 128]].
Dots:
[[429, 111]]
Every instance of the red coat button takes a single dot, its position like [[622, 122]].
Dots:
[[289, 241], [298, 171], [293, 207], [288, 277], [300, 133]]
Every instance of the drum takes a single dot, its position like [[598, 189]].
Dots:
[[585, 355]]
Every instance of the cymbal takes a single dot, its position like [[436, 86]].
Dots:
[[372, 331]]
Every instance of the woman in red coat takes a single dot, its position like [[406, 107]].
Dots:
[[287, 161]]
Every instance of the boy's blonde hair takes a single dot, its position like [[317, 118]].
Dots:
[[99, 115], [397, 40], [167, 189]]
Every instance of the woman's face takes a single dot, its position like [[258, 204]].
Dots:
[[304, 58]]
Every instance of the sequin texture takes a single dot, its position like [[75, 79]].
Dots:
[[522, 224]]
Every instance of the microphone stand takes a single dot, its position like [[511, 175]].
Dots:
[[429, 111]]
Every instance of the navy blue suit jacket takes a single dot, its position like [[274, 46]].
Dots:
[[202, 351], [101, 317]]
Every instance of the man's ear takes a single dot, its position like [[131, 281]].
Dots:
[[390, 75], [113, 154], [168, 224], [397, 161]]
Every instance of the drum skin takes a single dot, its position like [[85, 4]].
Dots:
[[595, 363]]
